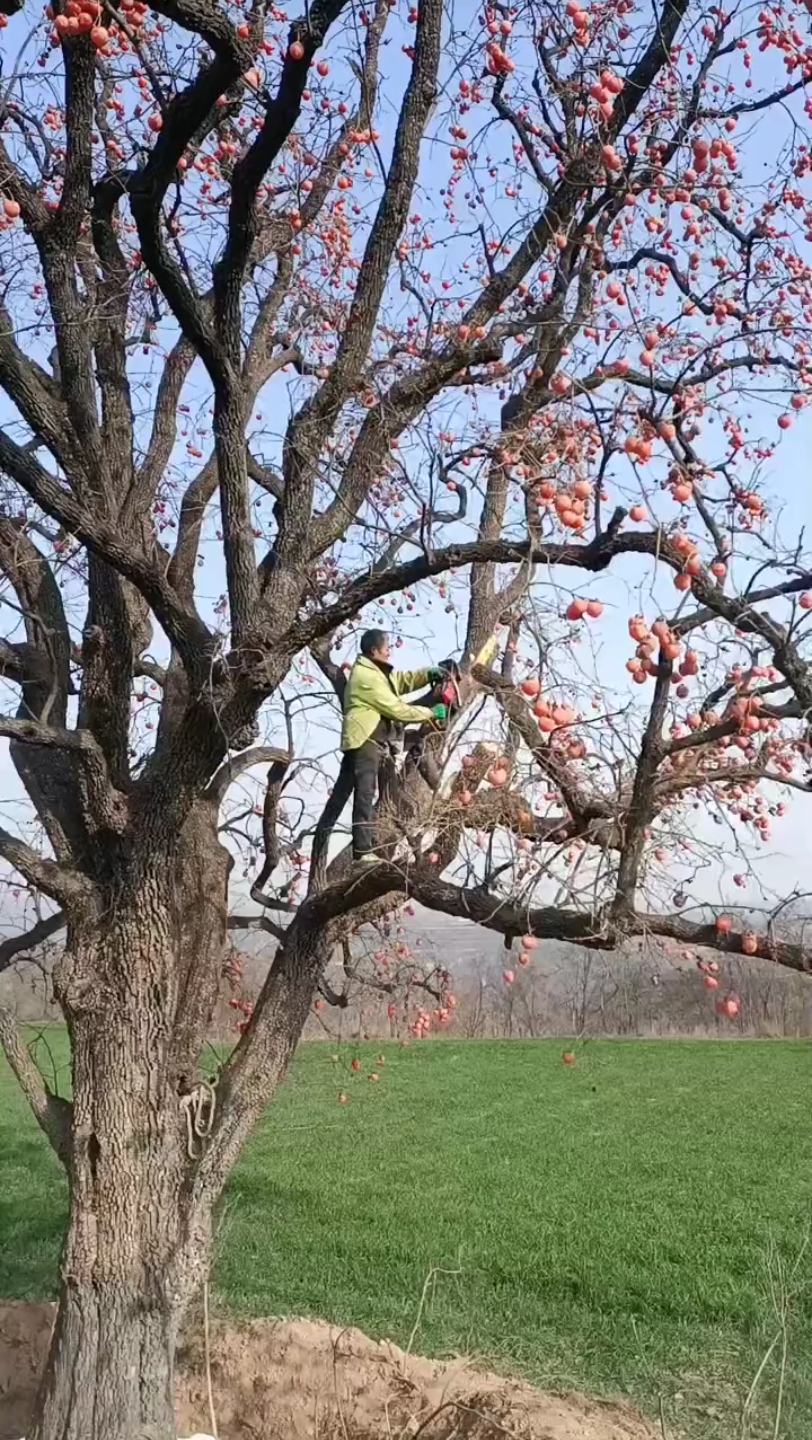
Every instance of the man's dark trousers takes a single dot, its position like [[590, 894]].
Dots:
[[358, 776]]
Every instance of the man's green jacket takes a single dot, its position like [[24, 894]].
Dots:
[[372, 694]]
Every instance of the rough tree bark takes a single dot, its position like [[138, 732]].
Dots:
[[137, 983]]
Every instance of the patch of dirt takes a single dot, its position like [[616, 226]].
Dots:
[[306, 1380], [25, 1331]]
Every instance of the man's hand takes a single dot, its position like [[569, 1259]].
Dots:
[[440, 712], [434, 675]]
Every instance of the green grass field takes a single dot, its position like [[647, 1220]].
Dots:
[[629, 1225]]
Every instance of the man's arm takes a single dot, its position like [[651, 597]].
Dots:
[[405, 682], [379, 697]]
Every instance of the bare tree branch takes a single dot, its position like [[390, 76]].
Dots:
[[237, 765], [20, 945], [53, 1115]]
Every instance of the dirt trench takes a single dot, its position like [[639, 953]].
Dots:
[[307, 1380]]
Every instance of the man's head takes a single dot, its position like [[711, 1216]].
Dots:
[[375, 645]]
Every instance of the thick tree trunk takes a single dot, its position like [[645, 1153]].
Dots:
[[110, 1369], [109, 1374], [138, 985]]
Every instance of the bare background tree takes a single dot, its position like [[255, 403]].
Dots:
[[275, 351]]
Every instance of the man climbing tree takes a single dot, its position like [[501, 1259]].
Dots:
[[372, 708]]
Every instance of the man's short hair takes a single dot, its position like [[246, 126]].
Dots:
[[372, 640]]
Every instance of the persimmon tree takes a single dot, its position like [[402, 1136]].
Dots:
[[377, 304]]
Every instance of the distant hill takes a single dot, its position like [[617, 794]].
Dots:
[[646, 990]]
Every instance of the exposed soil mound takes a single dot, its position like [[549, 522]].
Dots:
[[305, 1380], [24, 1334]]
